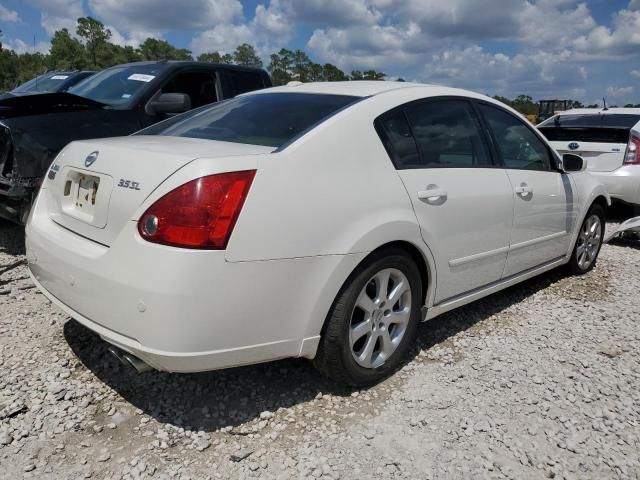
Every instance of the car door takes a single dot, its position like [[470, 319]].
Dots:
[[463, 203], [543, 196]]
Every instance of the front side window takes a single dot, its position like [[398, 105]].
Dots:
[[270, 119], [520, 148], [200, 86]]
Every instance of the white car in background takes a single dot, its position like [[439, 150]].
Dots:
[[320, 220], [608, 140]]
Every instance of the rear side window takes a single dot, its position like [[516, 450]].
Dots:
[[447, 135], [519, 147], [396, 133], [270, 119], [433, 134], [242, 82]]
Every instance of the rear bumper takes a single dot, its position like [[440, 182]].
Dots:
[[180, 310], [623, 183]]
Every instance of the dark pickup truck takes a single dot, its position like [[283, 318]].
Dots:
[[115, 102]]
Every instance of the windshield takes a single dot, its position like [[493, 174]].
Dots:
[[270, 119], [49, 82], [116, 86]]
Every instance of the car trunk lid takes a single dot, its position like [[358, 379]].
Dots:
[[96, 186]]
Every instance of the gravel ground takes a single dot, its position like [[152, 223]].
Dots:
[[539, 381]]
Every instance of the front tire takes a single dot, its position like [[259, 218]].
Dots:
[[589, 242], [373, 320]]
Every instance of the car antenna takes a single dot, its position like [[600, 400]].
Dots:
[[604, 102]]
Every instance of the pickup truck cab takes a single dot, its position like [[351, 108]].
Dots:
[[115, 102]]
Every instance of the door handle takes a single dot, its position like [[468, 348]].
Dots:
[[524, 190], [433, 195]]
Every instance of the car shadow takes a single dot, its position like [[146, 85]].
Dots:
[[11, 238], [229, 398]]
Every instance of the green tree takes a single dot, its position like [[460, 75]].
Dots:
[[245, 54], [280, 67], [331, 73], [66, 52], [374, 75], [154, 49], [96, 41], [215, 57]]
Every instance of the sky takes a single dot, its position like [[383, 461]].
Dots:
[[579, 49]]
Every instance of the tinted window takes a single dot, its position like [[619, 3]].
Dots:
[[398, 140], [518, 145], [613, 120], [117, 85], [243, 82], [199, 85], [270, 119], [447, 135]]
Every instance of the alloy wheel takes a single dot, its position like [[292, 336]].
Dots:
[[380, 317], [589, 241]]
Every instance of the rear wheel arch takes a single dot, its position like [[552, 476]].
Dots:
[[334, 356], [408, 248]]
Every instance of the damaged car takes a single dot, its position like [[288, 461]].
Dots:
[[115, 102]]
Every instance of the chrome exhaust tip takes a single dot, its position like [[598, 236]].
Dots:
[[130, 360]]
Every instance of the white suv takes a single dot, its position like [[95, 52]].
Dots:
[[609, 141]]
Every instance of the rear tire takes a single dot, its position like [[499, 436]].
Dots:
[[589, 242], [371, 326]]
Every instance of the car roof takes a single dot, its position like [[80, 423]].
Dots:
[[601, 111], [193, 63], [364, 88]]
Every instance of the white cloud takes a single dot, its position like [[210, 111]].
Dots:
[[7, 15], [617, 92], [20, 46], [165, 15], [621, 40], [635, 73], [541, 74], [269, 30], [58, 14], [334, 12]]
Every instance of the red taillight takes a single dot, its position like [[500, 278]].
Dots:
[[198, 214], [632, 154]]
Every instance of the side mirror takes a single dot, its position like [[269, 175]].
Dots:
[[573, 163], [170, 103]]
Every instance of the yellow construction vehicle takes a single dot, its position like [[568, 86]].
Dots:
[[548, 108]]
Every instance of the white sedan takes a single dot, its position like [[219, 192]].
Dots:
[[320, 220]]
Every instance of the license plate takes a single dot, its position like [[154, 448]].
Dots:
[[84, 193]]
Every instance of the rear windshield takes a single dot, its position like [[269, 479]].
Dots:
[[270, 119], [614, 120], [595, 128]]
